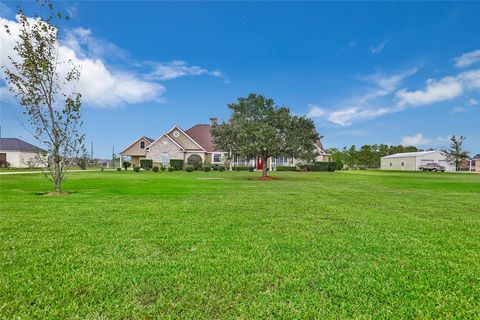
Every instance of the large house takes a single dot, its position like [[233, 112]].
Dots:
[[20, 154], [196, 141]]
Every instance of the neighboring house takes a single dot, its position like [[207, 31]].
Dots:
[[196, 141], [410, 161], [136, 150], [20, 154]]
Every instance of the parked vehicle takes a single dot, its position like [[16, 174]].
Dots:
[[432, 167]]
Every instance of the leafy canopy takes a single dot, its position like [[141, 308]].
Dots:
[[259, 128]]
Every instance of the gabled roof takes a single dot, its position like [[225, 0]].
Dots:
[[201, 134], [409, 154], [15, 144], [188, 136], [150, 140], [165, 135]]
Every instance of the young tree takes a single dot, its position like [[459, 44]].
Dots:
[[455, 154], [259, 129], [50, 99]]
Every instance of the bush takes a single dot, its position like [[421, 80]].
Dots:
[[146, 164], [339, 165], [320, 166], [162, 167], [195, 160], [119, 169], [82, 163], [240, 168], [286, 168], [155, 169], [251, 169], [170, 169], [221, 168], [189, 168], [207, 168], [176, 164], [126, 164], [136, 169]]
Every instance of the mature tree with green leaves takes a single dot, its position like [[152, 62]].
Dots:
[[455, 153], [49, 97], [259, 129]]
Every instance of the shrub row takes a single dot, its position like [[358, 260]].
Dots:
[[320, 166], [286, 168], [146, 164]]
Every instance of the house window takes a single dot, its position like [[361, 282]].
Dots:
[[280, 161], [390, 164], [176, 134], [142, 144], [165, 158], [403, 163], [217, 157]]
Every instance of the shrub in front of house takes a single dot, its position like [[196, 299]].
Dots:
[[176, 164], [136, 169], [339, 165], [207, 168], [146, 164], [221, 168], [119, 169], [240, 168], [285, 168], [329, 166], [162, 167], [126, 164], [170, 169], [195, 160], [189, 168], [251, 169], [155, 169]]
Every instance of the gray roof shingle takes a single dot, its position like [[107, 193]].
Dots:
[[15, 144]]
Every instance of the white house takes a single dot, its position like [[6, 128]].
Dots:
[[410, 161], [20, 154]]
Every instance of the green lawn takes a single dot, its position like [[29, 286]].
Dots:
[[220, 245]]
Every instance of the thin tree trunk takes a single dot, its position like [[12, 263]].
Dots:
[[264, 168], [57, 174]]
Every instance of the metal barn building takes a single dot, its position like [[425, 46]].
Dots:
[[410, 161]]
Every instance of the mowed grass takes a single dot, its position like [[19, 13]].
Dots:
[[217, 245]]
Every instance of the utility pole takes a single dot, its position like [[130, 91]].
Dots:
[[91, 150]]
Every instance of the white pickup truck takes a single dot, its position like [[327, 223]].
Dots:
[[432, 167]]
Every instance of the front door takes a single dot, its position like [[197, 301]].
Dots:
[[260, 163], [3, 157]]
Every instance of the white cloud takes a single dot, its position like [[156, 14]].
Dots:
[[415, 140], [177, 69], [435, 91], [472, 102], [385, 97], [367, 105], [98, 84], [378, 48], [420, 140], [458, 109], [467, 59]]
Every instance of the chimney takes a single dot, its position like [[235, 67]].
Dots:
[[213, 121]]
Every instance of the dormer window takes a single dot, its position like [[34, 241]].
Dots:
[[142, 144]]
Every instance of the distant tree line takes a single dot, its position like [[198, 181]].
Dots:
[[367, 156]]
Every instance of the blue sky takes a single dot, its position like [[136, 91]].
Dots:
[[366, 72]]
